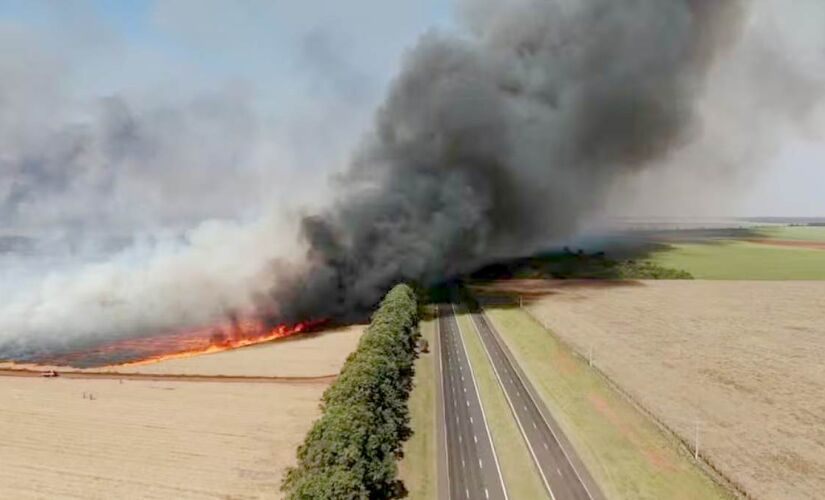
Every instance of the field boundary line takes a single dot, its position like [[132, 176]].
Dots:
[[158, 377], [704, 463]]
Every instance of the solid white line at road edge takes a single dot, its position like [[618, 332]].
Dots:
[[480, 404]]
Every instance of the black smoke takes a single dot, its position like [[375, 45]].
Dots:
[[495, 142]]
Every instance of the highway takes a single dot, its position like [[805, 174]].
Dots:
[[472, 466], [561, 470]]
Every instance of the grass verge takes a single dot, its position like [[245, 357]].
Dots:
[[517, 468], [624, 450], [418, 467], [737, 260]]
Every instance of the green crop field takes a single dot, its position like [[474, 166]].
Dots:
[[802, 233], [740, 260]]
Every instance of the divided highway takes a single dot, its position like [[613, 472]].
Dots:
[[561, 477], [472, 466]]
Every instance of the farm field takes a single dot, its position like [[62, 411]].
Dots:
[[800, 233], [168, 438], [308, 355], [741, 260], [149, 439], [742, 360], [768, 253]]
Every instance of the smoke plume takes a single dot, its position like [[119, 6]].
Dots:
[[495, 144], [494, 141]]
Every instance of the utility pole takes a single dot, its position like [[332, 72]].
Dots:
[[696, 442], [520, 302]]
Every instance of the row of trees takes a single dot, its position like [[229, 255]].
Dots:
[[351, 452]]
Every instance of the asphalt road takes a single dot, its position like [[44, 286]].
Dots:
[[563, 474], [472, 467]]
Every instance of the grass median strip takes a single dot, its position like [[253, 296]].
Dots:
[[517, 467], [418, 467], [623, 449]]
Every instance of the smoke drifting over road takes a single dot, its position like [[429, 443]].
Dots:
[[494, 144]]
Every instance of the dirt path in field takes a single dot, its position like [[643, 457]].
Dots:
[[25, 372], [811, 245]]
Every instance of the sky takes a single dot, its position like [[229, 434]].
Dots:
[[271, 46], [291, 66]]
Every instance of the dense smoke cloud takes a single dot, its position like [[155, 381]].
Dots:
[[497, 143], [494, 141], [136, 213], [765, 92]]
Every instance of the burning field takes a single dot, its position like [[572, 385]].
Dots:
[[133, 218], [233, 334], [168, 437]]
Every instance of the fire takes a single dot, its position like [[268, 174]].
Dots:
[[231, 334], [224, 338]]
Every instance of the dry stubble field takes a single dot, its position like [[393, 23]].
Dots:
[[165, 439], [744, 359]]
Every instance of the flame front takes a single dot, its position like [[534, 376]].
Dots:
[[176, 345], [222, 338]]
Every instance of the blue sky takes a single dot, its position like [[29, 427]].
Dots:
[[116, 45]]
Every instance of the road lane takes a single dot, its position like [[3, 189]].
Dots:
[[555, 462], [473, 469]]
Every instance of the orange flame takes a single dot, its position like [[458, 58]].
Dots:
[[176, 345], [214, 339]]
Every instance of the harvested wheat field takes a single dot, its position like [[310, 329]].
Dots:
[[743, 359], [168, 438]]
